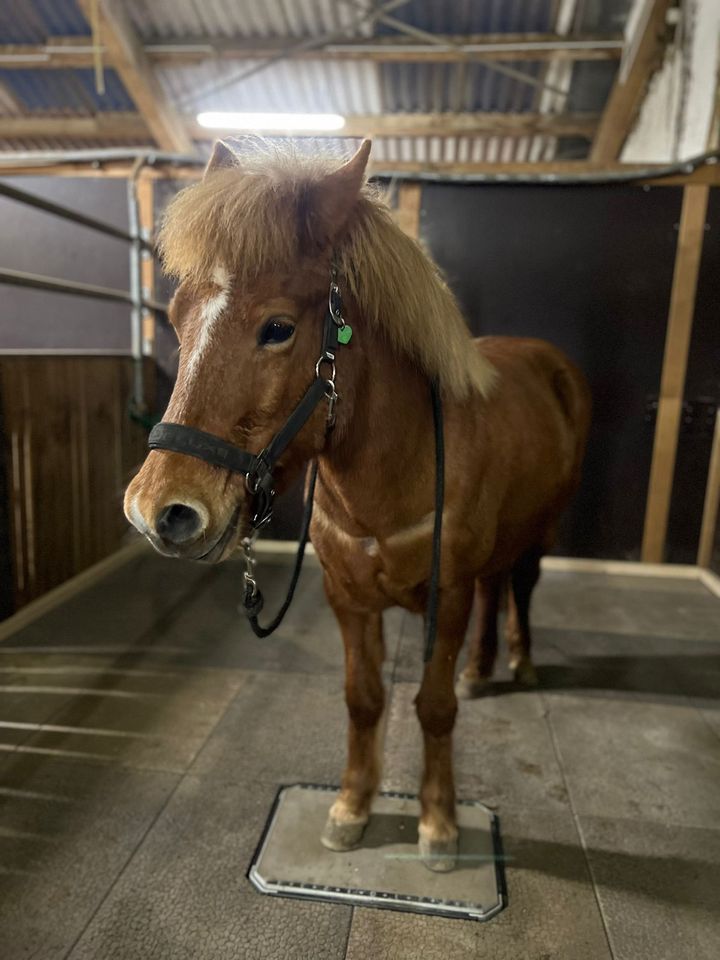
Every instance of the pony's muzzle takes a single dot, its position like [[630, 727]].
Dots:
[[173, 528], [178, 504]]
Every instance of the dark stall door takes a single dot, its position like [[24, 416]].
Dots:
[[590, 269]]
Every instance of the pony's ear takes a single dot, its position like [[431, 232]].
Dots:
[[336, 194], [222, 157]]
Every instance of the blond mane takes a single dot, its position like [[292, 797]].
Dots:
[[246, 217]]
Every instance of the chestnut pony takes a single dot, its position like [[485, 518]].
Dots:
[[253, 245]]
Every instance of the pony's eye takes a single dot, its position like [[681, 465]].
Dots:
[[276, 330]]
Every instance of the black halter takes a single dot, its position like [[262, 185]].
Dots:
[[258, 470]]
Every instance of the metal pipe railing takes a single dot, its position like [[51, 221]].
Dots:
[[41, 158], [139, 244], [136, 293], [58, 210], [35, 281]]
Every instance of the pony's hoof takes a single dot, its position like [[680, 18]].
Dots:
[[341, 837], [440, 856], [525, 673], [469, 687]]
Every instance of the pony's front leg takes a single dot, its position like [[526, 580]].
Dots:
[[364, 654], [436, 706]]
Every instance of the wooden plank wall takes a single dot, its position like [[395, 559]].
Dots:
[[68, 450]]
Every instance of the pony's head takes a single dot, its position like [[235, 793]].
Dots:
[[253, 245]]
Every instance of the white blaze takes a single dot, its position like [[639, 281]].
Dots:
[[210, 313]]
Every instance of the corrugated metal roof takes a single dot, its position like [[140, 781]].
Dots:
[[464, 149], [63, 144], [590, 85], [351, 87], [65, 91], [347, 87], [469, 16], [33, 21], [305, 86], [485, 149], [609, 16], [173, 19], [456, 87]]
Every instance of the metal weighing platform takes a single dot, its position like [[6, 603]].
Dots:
[[384, 870]]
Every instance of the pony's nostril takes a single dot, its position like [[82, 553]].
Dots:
[[178, 523]]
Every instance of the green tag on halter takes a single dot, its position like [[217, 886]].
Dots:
[[344, 333]]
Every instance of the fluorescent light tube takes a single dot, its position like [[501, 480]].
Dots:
[[285, 122]]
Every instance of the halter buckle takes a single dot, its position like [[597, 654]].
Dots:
[[259, 484], [327, 357], [256, 474], [335, 304]]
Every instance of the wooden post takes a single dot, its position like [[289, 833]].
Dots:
[[711, 507], [146, 215], [408, 209], [125, 52], [628, 91], [677, 343]]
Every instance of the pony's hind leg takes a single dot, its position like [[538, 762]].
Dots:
[[482, 652], [525, 575], [436, 706], [364, 654]]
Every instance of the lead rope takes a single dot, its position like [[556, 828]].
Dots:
[[434, 590], [253, 600]]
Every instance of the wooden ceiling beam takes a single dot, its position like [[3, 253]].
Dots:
[[101, 126], [126, 54], [132, 126], [556, 168], [77, 51], [630, 87], [452, 125], [394, 49], [55, 55], [123, 168]]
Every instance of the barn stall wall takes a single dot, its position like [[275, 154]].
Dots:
[[591, 269], [68, 450], [35, 242], [68, 445]]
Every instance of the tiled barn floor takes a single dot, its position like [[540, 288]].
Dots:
[[144, 731]]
